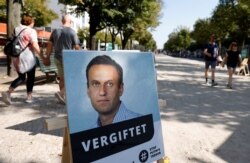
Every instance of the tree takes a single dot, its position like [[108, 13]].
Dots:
[[96, 10], [242, 19], [124, 16], [3, 11], [146, 41], [146, 16], [39, 10], [222, 22], [179, 40], [12, 16], [232, 19], [13, 19], [83, 34], [201, 31], [108, 37]]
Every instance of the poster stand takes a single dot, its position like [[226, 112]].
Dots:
[[62, 123]]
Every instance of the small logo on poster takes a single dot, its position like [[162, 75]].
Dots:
[[143, 156]]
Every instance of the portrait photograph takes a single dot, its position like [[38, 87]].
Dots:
[[112, 106]]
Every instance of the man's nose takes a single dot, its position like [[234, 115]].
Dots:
[[102, 89]]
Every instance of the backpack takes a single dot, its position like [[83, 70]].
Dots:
[[12, 47]]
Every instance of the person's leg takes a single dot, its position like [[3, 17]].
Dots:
[[30, 83], [61, 94], [207, 63], [61, 85], [60, 75], [7, 95], [18, 81], [230, 76], [213, 74], [231, 71], [213, 66]]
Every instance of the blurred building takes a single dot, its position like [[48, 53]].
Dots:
[[78, 22]]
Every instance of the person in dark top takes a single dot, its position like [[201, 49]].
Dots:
[[60, 39], [211, 53], [232, 59]]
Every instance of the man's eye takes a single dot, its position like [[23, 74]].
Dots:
[[95, 84], [109, 84]]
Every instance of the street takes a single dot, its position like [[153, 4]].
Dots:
[[200, 123], [203, 123]]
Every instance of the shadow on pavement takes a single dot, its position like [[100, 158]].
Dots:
[[188, 101], [238, 141], [45, 105], [36, 126]]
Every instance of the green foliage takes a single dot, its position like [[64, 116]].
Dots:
[[233, 20], [125, 16], [146, 41], [38, 9], [202, 31], [83, 34], [179, 40], [3, 11], [230, 21], [101, 36], [146, 17]]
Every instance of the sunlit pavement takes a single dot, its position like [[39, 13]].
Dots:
[[203, 123], [200, 123]]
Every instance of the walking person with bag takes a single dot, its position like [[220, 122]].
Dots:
[[60, 39], [232, 59], [25, 63]]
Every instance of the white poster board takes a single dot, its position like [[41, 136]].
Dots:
[[138, 139]]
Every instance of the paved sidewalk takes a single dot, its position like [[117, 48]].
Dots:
[[23, 136], [200, 123]]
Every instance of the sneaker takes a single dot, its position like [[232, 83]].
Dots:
[[206, 83], [6, 98], [60, 98], [214, 84], [229, 86], [29, 101]]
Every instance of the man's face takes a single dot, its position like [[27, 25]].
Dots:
[[104, 90], [212, 38]]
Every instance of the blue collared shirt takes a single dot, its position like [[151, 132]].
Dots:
[[122, 115]]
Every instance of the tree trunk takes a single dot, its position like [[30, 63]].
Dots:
[[94, 21], [113, 37], [125, 37], [93, 43], [13, 20]]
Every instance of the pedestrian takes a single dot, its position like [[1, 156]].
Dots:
[[60, 39], [25, 64], [232, 59], [248, 62], [211, 53]]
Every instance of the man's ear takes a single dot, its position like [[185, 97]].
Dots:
[[88, 92], [121, 89]]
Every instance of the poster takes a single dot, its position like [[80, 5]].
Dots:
[[135, 133]]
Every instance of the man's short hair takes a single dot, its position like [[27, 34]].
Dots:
[[105, 60], [66, 18], [213, 36]]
